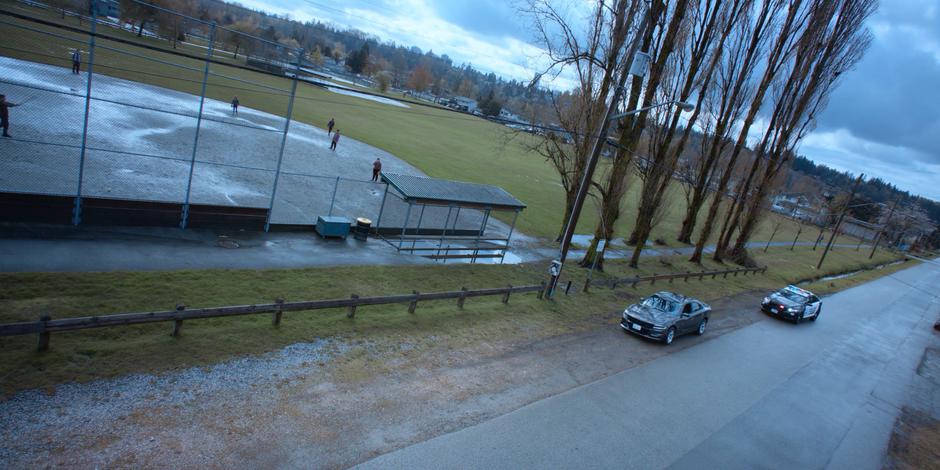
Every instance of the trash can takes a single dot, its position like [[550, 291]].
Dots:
[[363, 225]]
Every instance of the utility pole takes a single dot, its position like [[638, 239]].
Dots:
[[599, 141], [874, 246], [835, 230]]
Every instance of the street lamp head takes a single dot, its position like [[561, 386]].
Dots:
[[684, 106]]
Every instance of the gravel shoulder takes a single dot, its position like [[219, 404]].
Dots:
[[326, 404]]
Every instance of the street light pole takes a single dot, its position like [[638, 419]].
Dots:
[[835, 229], [874, 246], [596, 148]]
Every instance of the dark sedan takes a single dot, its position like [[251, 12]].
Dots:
[[664, 315], [793, 303]]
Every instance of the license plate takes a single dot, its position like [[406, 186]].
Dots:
[[774, 310], [636, 327]]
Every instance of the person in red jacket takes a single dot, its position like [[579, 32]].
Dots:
[[5, 114]]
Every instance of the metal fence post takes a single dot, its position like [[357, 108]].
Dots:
[[333, 199], [280, 154], [404, 226], [184, 217], [381, 209], [77, 208], [509, 237]]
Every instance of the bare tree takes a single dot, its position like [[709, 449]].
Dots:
[[711, 26], [721, 105], [764, 23], [833, 41], [593, 57]]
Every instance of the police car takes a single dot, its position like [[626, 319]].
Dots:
[[793, 303]]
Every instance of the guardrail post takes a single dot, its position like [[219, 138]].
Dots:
[[44, 334], [567, 287], [414, 302], [636, 281], [687, 276], [462, 297], [613, 283], [701, 275], [542, 290], [178, 321], [351, 310], [724, 275], [277, 313], [506, 295], [735, 273], [671, 279], [653, 280]]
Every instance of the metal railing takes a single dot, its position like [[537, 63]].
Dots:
[[700, 275], [46, 325]]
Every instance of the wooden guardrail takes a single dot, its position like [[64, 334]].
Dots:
[[633, 281], [47, 325]]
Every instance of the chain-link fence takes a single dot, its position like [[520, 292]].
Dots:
[[188, 112]]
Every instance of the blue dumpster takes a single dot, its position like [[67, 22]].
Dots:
[[331, 226]]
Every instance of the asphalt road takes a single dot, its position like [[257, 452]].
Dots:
[[770, 395]]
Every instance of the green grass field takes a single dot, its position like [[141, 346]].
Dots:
[[107, 352], [441, 143]]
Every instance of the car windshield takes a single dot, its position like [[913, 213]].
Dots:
[[660, 303], [790, 295]]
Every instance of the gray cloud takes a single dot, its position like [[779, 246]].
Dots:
[[486, 17], [892, 96]]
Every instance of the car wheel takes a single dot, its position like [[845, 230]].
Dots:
[[701, 327], [670, 335], [818, 311]]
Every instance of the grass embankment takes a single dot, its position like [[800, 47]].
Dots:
[[443, 144], [107, 352]]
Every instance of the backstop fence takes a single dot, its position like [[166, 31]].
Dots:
[[187, 113]]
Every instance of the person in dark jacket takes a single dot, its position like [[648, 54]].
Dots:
[[235, 105], [376, 169], [76, 62], [335, 140], [329, 126], [5, 114]]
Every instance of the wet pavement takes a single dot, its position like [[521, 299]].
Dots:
[[821, 394], [38, 248]]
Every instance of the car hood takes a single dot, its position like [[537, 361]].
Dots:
[[650, 315]]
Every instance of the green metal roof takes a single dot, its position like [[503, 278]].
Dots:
[[433, 191]]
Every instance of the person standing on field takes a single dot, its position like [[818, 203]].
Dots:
[[335, 141], [5, 114], [376, 169], [329, 126], [235, 106], [76, 62]]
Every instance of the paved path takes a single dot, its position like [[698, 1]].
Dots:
[[771, 395], [29, 248]]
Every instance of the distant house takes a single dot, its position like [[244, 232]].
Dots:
[[463, 103], [859, 228], [110, 8], [798, 206]]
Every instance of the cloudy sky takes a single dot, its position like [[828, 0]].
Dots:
[[883, 120]]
